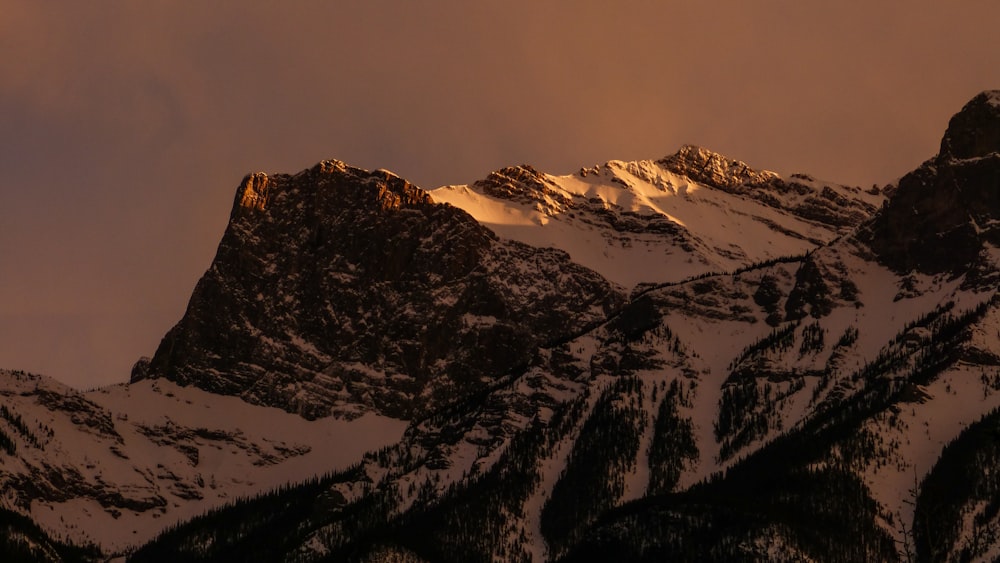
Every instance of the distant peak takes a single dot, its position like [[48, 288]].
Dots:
[[975, 130], [698, 153], [518, 183], [714, 169], [523, 172]]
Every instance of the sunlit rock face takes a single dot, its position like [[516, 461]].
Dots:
[[714, 169], [253, 192], [338, 291], [525, 184]]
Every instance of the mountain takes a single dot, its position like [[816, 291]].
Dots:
[[338, 291], [947, 208], [680, 359], [395, 304], [114, 466], [691, 213]]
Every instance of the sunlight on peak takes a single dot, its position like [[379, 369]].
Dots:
[[485, 209]]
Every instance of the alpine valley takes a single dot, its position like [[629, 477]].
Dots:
[[684, 359]]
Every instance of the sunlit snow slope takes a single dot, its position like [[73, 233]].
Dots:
[[667, 220]]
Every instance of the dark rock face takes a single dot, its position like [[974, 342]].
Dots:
[[943, 211], [974, 131], [811, 293], [336, 291], [939, 216]]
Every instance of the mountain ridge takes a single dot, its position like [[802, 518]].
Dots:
[[661, 221], [377, 295], [855, 343], [699, 412]]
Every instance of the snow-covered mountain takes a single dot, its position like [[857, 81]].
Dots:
[[688, 214], [116, 465], [682, 359]]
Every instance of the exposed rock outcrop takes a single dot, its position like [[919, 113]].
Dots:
[[944, 211], [713, 169], [338, 291]]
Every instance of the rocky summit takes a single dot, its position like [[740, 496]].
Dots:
[[975, 131], [338, 291], [683, 359], [945, 214]]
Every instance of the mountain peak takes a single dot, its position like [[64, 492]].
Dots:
[[975, 131], [260, 194], [714, 169], [522, 184], [943, 212], [338, 291]]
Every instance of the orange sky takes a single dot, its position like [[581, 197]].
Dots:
[[125, 126]]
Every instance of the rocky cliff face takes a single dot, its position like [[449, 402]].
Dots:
[[945, 211], [338, 291], [975, 131]]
